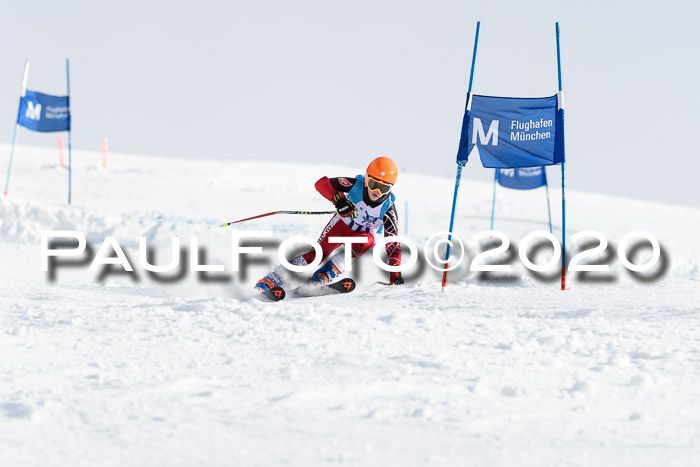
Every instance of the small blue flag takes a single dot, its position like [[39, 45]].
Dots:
[[522, 179], [511, 132], [41, 112]]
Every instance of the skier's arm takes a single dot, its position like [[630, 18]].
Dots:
[[334, 189], [328, 187], [393, 249]]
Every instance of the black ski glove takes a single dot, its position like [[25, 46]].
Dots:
[[344, 206], [395, 278]]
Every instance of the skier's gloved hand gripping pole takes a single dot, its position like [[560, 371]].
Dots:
[[276, 212], [344, 206]]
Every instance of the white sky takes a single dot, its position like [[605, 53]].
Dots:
[[347, 81]]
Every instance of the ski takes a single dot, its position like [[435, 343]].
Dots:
[[342, 286], [274, 294]]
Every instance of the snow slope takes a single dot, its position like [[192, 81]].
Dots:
[[137, 370]]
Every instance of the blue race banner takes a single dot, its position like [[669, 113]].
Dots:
[[522, 179], [41, 112], [511, 132]]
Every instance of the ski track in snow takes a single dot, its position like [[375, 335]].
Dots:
[[125, 372]]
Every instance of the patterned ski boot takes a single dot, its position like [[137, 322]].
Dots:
[[325, 274], [271, 280]]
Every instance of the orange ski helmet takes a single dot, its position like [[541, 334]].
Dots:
[[383, 169]]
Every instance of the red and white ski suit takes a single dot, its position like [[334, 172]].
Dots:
[[341, 227]]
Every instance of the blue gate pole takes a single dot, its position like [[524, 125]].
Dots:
[[70, 125], [460, 164], [14, 137], [405, 216], [563, 178], [549, 209], [493, 203]]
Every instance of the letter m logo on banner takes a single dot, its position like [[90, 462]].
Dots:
[[483, 139], [41, 112], [522, 132], [33, 111]]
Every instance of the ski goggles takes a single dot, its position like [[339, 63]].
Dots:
[[380, 188]]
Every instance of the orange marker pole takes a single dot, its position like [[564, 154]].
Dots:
[[104, 152], [60, 152]]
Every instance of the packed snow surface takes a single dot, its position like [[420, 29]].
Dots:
[[114, 368]]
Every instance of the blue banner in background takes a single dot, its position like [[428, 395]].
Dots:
[[522, 179], [41, 112], [509, 132]]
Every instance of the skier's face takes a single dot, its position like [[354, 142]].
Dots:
[[374, 195], [376, 188]]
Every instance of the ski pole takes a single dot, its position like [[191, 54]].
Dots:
[[277, 212]]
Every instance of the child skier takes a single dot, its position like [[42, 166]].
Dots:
[[365, 207]]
